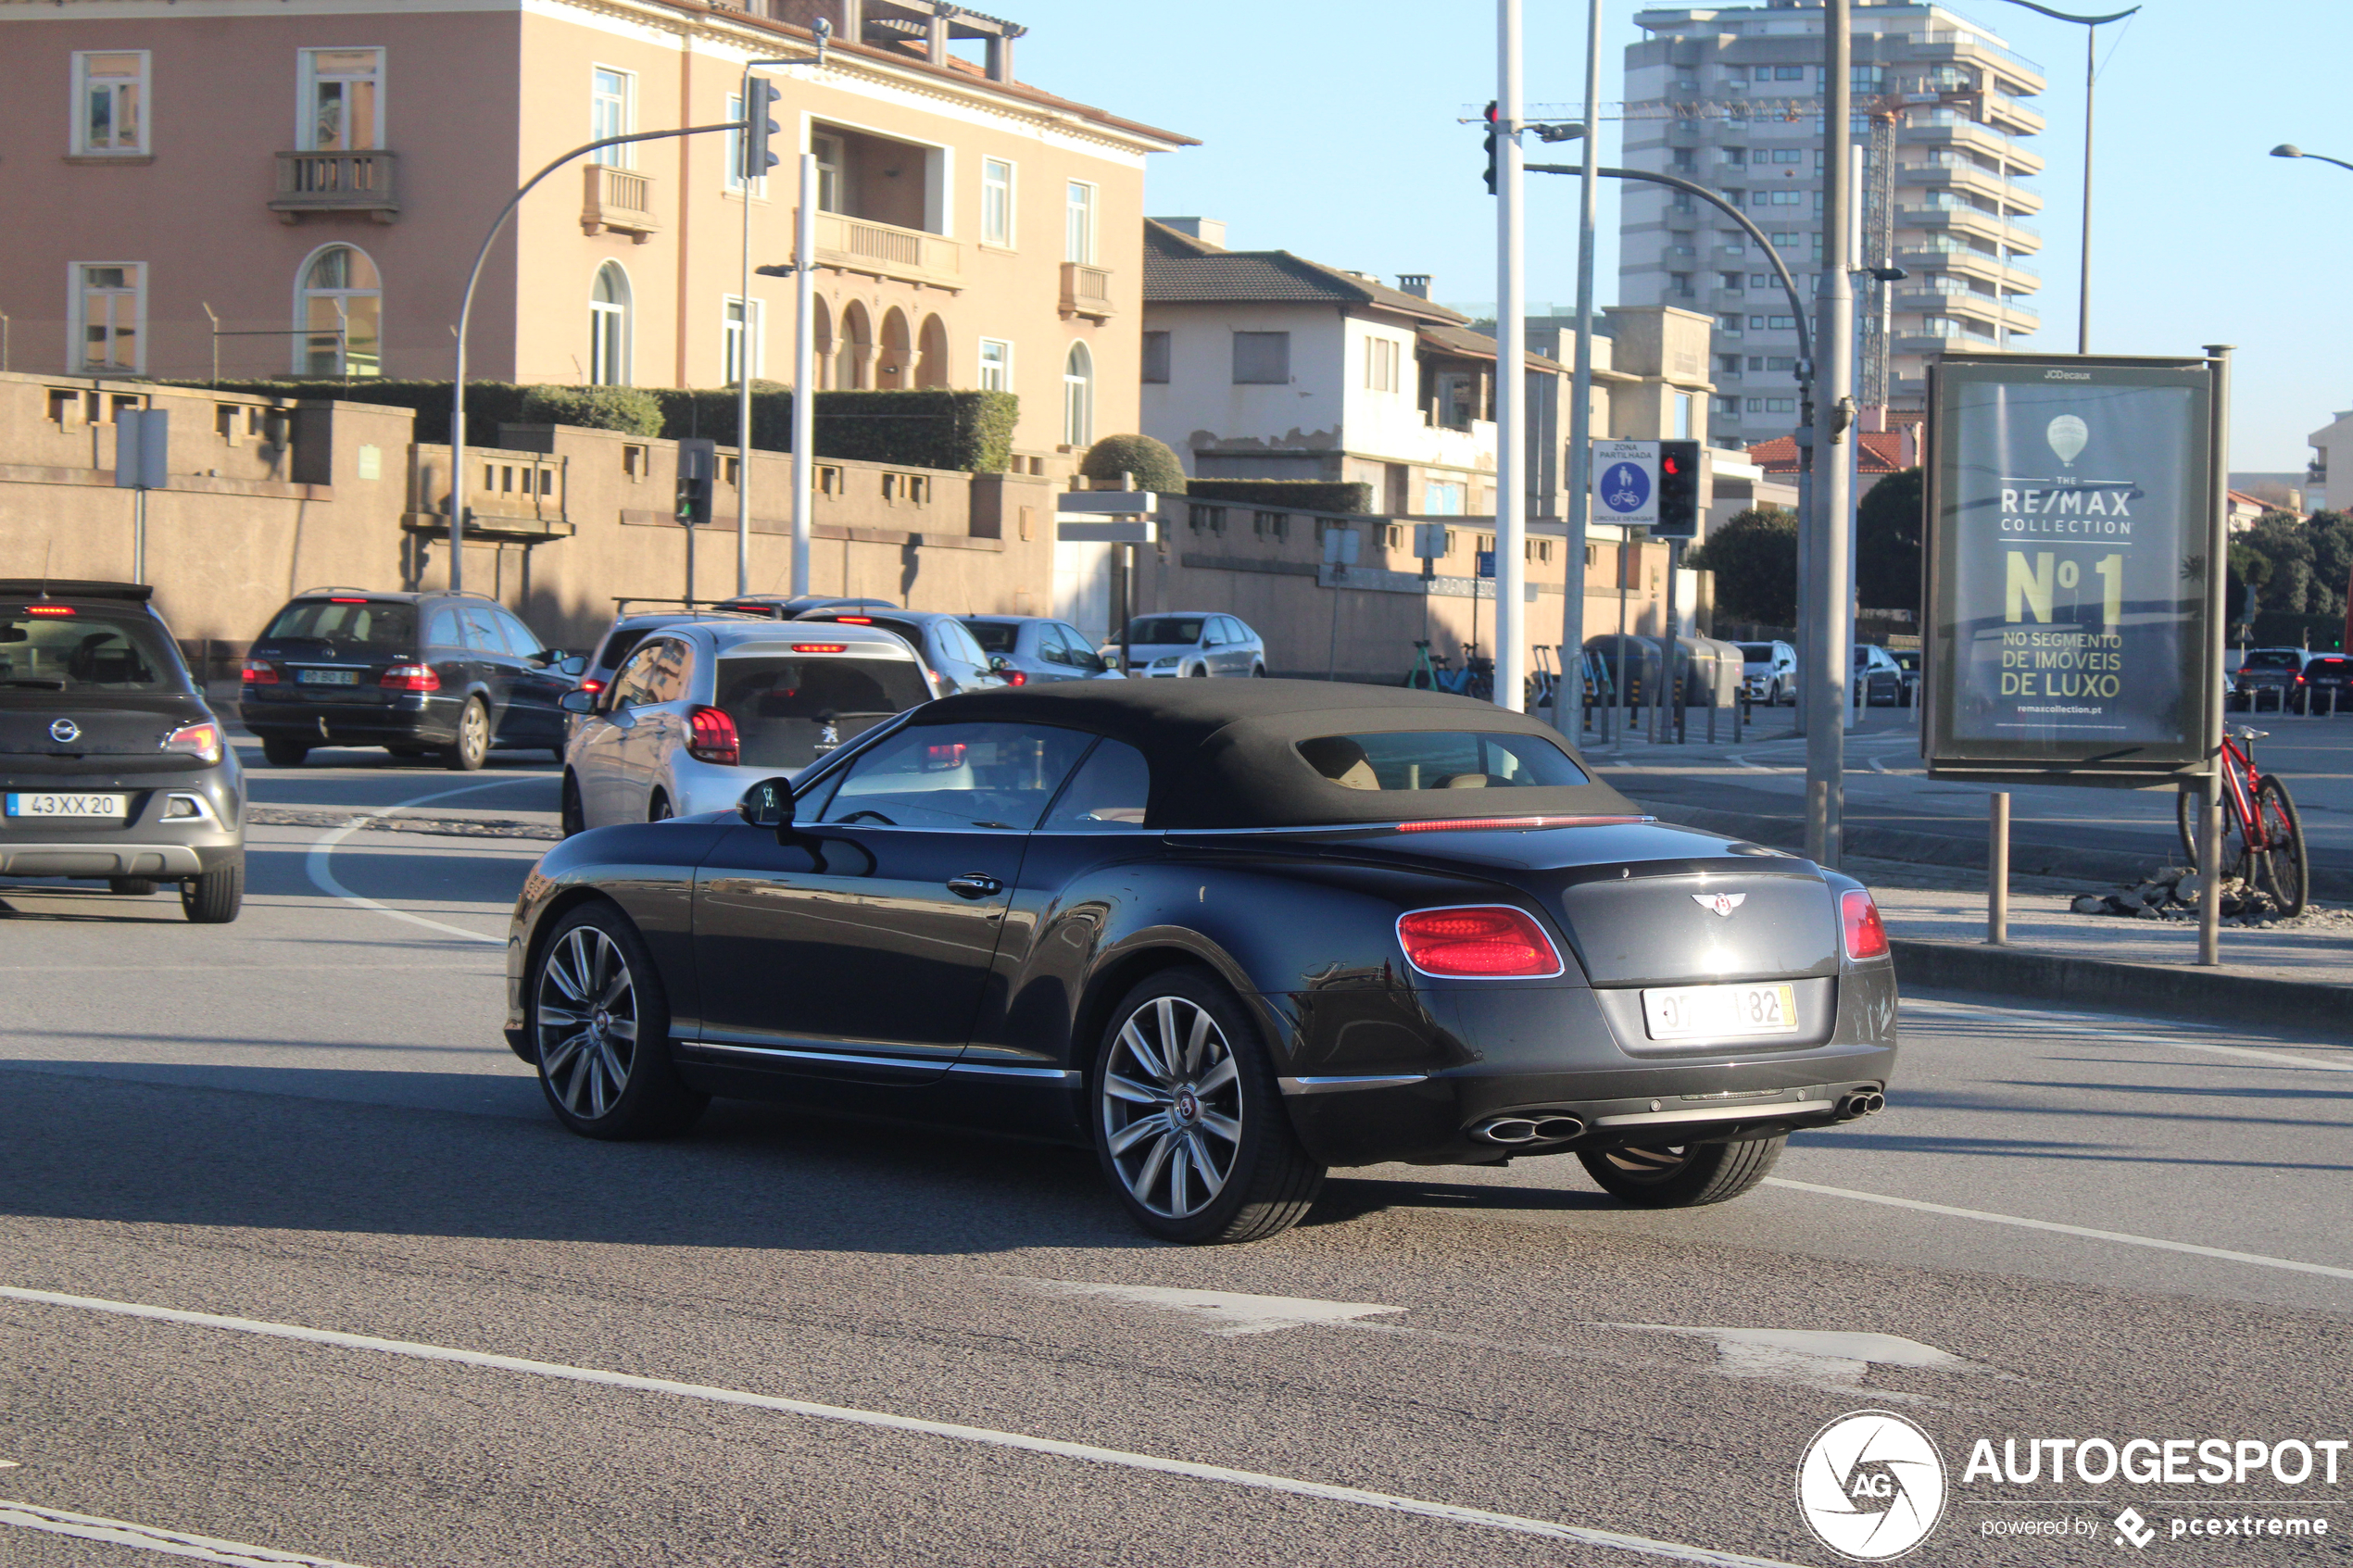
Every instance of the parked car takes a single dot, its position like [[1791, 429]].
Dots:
[[700, 710], [942, 642], [1035, 649], [416, 673], [1084, 910], [1877, 677], [112, 766], [1192, 642], [785, 607], [594, 671], [2327, 686], [2269, 675], [1908, 661], [1769, 672]]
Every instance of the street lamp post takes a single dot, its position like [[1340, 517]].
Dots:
[[2091, 35], [2289, 149]]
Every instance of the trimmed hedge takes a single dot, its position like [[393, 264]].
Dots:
[[1302, 495], [2291, 628], [966, 432], [1148, 462]]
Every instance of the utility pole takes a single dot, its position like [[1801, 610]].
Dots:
[[1510, 369], [1580, 412], [1829, 614]]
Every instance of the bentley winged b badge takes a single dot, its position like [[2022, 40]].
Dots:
[[1719, 903]]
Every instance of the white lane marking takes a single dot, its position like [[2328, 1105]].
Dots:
[[1751, 1352], [1223, 1311], [1257, 1480], [323, 874], [2086, 1024], [171, 1543], [2156, 1242], [1752, 767]]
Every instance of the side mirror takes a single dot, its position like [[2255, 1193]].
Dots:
[[998, 663], [1108, 661], [572, 665], [577, 702], [767, 804]]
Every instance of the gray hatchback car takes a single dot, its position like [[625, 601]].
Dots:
[[112, 766], [1033, 647]]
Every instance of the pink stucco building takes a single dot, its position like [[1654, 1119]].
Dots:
[[300, 185]]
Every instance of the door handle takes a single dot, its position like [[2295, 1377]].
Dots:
[[972, 885]]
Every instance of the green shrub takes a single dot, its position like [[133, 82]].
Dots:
[[2291, 628], [1274, 495], [1149, 463], [1754, 556], [631, 411]]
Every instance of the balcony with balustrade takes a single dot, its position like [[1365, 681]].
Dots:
[[886, 250], [1086, 290], [337, 181], [620, 200]]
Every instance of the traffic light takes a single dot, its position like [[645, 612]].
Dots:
[[1490, 147], [1678, 491], [698, 469], [758, 128]]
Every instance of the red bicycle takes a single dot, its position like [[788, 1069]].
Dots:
[[2262, 840]]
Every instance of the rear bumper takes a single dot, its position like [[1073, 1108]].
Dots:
[[149, 845], [409, 717]]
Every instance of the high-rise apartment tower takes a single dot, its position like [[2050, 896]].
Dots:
[[1730, 98]]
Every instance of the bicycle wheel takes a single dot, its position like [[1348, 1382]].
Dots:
[[2186, 811], [2287, 869]]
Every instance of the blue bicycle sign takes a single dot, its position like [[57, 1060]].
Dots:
[[1625, 486], [1625, 483]]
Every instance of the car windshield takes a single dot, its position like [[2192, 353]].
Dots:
[[994, 637], [373, 623], [789, 712], [2274, 659], [1756, 653], [1166, 629], [1909, 659], [79, 651], [619, 645], [1440, 759]]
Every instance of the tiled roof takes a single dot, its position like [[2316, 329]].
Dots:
[[1882, 452], [1474, 346], [1179, 268]]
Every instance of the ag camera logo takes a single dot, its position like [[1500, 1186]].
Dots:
[[1871, 1485]]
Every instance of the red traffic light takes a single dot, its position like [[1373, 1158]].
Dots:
[[1670, 465]]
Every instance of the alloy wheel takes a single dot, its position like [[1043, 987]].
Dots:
[[473, 733], [585, 1022], [1171, 1108]]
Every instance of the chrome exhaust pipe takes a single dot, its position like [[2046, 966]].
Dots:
[[1864, 1102], [1515, 1131], [1558, 1129]]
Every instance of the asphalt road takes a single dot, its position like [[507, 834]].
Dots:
[[786, 1339], [1887, 787]]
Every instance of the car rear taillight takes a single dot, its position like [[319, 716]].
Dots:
[[346, 601], [1866, 933], [942, 758], [1477, 942], [1015, 677], [855, 620], [819, 648], [410, 678], [259, 672], [200, 740], [711, 738], [48, 610]]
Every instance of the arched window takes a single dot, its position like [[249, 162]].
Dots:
[[821, 340], [897, 355], [340, 315], [609, 327], [1078, 397], [931, 365], [855, 352]]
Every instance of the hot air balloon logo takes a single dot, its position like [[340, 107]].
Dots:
[[2067, 435]]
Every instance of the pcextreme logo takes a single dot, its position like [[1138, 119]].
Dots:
[[1871, 1485]]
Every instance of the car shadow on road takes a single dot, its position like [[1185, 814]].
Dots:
[[69, 904], [1349, 1197]]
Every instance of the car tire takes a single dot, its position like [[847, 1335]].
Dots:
[[659, 809], [471, 748], [283, 751], [1199, 673], [1258, 671], [1197, 1104], [571, 816], [599, 1024], [1682, 1176], [214, 898]]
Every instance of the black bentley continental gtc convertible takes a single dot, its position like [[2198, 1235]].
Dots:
[[1231, 933]]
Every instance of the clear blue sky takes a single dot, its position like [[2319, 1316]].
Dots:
[[1330, 130]]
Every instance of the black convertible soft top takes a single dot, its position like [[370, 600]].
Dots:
[[1223, 753]]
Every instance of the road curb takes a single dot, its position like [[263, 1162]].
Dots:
[[2108, 866], [2167, 990]]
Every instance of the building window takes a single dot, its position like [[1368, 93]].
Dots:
[[1733, 156], [1079, 223], [738, 359], [1683, 416], [1731, 324], [735, 140], [1772, 404], [1789, 73], [1270, 525], [609, 327], [1210, 520], [1156, 358], [1382, 357], [996, 365], [1261, 359], [341, 315], [342, 100], [996, 202], [832, 189], [1443, 497], [1680, 285], [110, 91], [612, 111], [1078, 397], [109, 309]]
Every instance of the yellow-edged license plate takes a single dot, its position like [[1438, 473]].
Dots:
[[1688, 1012]]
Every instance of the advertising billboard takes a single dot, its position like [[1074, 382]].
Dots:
[[2072, 528]]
